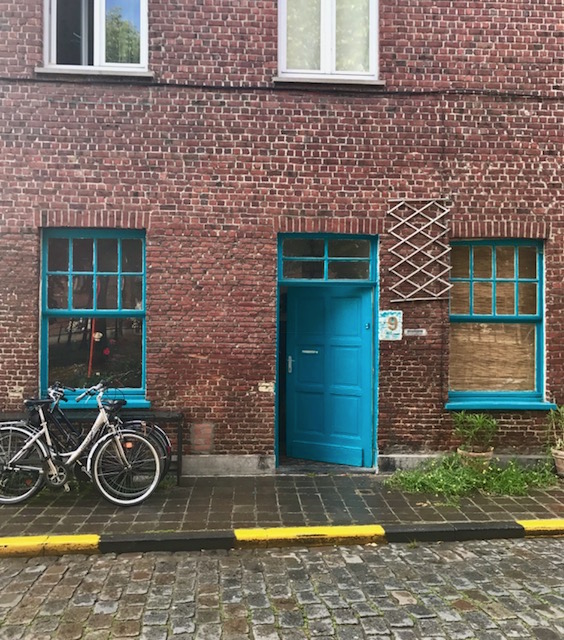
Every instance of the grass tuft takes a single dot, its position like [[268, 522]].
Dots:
[[450, 477]]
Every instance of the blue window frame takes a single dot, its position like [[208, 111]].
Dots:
[[326, 258], [497, 326], [93, 310]]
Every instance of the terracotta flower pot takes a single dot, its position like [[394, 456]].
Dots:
[[476, 459], [558, 456]]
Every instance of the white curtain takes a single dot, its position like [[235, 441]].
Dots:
[[303, 35], [352, 35]]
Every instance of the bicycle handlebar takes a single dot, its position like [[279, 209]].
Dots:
[[92, 391]]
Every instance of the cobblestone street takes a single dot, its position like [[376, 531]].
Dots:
[[482, 590]]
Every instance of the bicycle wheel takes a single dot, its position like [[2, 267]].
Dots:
[[154, 432], [158, 439], [126, 468], [24, 478]]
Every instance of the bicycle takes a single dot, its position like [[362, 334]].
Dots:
[[123, 465], [62, 427]]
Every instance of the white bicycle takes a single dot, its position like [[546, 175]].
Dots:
[[122, 464]]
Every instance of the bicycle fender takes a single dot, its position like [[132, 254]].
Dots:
[[29, 432], [147, 427], [100, 442]]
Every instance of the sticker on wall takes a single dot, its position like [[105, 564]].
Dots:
[[390, 325]]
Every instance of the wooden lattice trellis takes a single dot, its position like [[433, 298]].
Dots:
[[420, 254]]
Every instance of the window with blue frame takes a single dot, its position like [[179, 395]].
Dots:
[[93, 309], [327, 258], [496, 325]]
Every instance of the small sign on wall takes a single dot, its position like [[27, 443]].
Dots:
[[390, 325]]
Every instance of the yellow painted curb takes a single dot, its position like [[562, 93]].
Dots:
[[48, 545], [22, 546], [59, 545], [551, 527], [309, 535]]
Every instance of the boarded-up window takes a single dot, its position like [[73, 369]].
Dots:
[[496, 317]]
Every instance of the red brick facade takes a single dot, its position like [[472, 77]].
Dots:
[[213, 158]]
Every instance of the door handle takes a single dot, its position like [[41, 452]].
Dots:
[[290, 363]]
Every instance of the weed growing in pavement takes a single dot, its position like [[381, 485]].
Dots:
[[450, 477]]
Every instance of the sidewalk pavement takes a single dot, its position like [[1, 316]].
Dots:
[[277, 510]]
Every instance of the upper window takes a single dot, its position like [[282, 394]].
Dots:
[[330, 258], [328, 39], [93, 310], [496, 323], [89, 35]]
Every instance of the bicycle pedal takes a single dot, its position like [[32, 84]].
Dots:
[[66, 487]]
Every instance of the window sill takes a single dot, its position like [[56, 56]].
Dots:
[[94, 71], [132, 403], [499, 405], [332, 80]]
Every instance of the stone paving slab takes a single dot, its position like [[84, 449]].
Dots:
[[216, 504]]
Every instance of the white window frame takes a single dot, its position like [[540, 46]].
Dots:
[[99, 44], [328, 72]]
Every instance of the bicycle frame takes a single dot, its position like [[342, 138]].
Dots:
[[43, 434]]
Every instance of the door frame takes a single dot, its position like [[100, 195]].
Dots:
[[281, 288]]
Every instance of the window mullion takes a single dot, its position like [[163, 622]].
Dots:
[[84, 26], [144, 34], [95, 274], [373, 37], [70, 276], [471, 279], [119, 281], [99, 33], [52, 30]]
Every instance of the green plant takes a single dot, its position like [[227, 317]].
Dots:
[[555, 428], [450, 477], [476, 430]]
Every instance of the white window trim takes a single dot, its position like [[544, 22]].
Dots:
[[327, 73], [99, 66]]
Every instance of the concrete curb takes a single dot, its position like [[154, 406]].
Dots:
[[279, 537]]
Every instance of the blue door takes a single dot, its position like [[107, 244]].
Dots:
[[329, 414]]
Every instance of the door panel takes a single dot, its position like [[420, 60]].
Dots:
[[329, 374]]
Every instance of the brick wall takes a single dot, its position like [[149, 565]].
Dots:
[[214, 159]]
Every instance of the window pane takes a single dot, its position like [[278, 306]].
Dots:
[[303, 248], [82, 255], [82, 290], [305, 270], [132, 255], [349, 270], [527, 262], [482, 297], [505, 298], [107, 255], [83, 350], [132, 292], [460, 298], [123, 29], [505, 262], [482, 262], [349, 248], [352, 35], [303, 34], [460, 261], [58, 258], [75, 32], [57, 292], [492, 357], [527, 298], [106, 295]]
